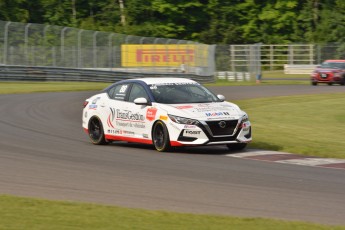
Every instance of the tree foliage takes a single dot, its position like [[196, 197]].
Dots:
[[207, 21]]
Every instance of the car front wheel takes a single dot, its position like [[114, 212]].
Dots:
[[160, 137], [96, 132]]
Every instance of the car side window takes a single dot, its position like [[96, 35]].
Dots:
[[136, 92], [118, 92]]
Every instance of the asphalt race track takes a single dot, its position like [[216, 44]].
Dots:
[[44, 153]]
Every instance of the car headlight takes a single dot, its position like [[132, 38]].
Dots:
[[183, 120], [245, 118]]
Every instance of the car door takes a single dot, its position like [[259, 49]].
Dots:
[[114, 108], [140, 116]]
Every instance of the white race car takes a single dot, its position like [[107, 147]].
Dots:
[[165, 112]]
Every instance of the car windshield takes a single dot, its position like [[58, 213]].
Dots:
[[180, 93], [333, 65]]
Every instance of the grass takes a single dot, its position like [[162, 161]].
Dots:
[[269, 78], [34, 87], [279, 78], [279, 74], [28, 213], [310, 125]]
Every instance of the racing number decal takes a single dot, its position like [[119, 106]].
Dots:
[[123, 89]]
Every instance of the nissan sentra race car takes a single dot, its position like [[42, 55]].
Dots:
[[164, 112], [330, 72]]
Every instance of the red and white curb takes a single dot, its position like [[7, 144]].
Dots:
[[289, 158]]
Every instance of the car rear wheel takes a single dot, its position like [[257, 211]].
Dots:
[[96, 132], [342, 81], [160, 137], [314, 83], [237, 146]]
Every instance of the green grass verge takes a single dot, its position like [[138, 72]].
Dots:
[[27, 213], [270, 78], [261, 83], [279, 74], [31, 87], [311, 124], [34, 87]]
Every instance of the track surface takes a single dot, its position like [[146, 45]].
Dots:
[[44, 153]]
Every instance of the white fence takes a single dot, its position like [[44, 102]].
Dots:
[[233, 76], [292, 58], [299, 69]]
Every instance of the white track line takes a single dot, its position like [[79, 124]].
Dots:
[[305, 160]]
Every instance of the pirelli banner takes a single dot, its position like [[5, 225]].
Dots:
[[160, 55]]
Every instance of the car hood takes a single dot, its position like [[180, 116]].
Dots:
[[204, 111], [324, 70]]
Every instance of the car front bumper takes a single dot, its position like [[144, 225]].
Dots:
[[207, 133]]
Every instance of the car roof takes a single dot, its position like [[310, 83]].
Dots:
[[164, 80], [152, 80], [335, 61]]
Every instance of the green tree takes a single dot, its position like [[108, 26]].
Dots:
[[272, 21], [58, 12], [13, 10], [207, 21], [223, 23]]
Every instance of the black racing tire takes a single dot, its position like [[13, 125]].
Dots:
[[342, 81], [314, 83], [330, 83], [237, 146], [160, 137], [96, 132]]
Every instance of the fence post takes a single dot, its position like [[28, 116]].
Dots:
[[311, 48], [232, 58], [290, 54], [62, 48], [258, 62], [80, 62], [110, 50], [45, 44], [6, 42], [95, 49], [26, 42]]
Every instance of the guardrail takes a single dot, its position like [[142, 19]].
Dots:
[[34, 73]]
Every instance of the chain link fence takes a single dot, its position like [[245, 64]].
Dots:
[[238, 62], [54, 46]]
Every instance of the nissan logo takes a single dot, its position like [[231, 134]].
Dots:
[[222, 124]]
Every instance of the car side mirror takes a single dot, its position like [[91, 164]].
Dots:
[[221, 97], [141, 101]]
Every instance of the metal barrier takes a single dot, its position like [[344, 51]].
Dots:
[[34, 73], [30, 44]]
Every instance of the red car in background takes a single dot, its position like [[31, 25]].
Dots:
[[330, 72]]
